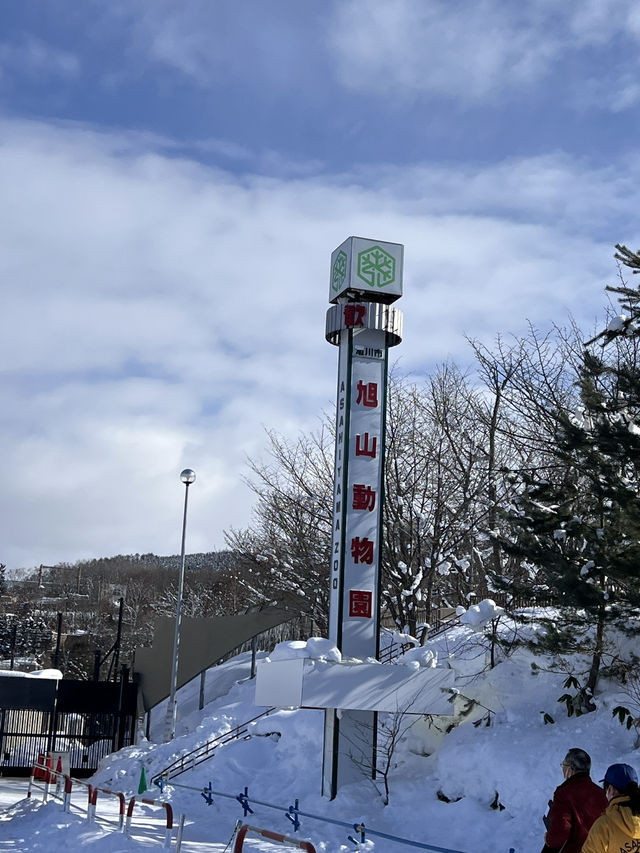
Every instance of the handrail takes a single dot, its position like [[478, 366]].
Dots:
[[149, 802], [244, 800], [396, 650], [272, 836], [93, 801], [445, 624], [43, 772], [393, 651], [201, 753], [92, 797]]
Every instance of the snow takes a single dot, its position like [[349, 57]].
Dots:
[[419, 656], [363, 686], [479, 615], [37, 673], [617, 323], [513, 762], [315, 648]]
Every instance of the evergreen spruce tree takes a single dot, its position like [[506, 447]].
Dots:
[[575, 525], [629, 259]]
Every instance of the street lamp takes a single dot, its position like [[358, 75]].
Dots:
[[187, 476]]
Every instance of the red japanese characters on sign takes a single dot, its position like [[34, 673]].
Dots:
[[362, 445], [367, 394], [354, 315], [360, 603], [364, 497], [362, 550]]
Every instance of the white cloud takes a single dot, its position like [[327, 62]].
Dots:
[[404, 49], [594, 22], [473, 52], [33, 57], [626, 96], [206, 42], [552, 187], [157, 314]]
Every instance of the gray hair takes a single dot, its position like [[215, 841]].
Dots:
[[578, 760]]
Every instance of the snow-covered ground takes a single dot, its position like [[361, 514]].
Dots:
[[512, 764]]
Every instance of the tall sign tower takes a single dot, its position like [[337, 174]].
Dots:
[[365, 279]]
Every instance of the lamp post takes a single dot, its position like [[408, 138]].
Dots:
[[187, 476]]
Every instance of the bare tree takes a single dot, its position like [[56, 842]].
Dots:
[[438, 500], [285, 554], [391, 729], [436, 486]]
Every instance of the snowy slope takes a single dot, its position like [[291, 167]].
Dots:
[[517, 757]]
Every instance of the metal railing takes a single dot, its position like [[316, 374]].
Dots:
[[203, 752], [427, 632]]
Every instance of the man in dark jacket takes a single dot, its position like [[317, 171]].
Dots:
[[576, 804]]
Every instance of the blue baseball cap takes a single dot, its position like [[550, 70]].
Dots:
[[619, 775]]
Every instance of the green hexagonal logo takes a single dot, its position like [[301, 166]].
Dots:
[[376, 267], [339, 271]]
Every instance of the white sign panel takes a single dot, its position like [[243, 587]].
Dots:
[[281, 679], [359, 687], [371, 268], [363, 496]]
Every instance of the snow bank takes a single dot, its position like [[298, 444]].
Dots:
[[479, 786], [479, 615], [315, 648], [37, 673], [418, 657]]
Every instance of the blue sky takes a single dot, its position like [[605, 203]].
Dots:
[[334, 86], [175, 177]]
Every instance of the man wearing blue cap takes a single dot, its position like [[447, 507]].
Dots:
[[618, 829]]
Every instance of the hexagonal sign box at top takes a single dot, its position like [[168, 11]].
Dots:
[[376, 267], [370, 269]]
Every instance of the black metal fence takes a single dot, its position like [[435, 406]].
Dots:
[[87, 719]]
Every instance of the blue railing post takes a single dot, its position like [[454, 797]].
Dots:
[[360, 828], [292, 815], [243, 799]]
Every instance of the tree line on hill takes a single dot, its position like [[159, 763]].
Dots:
[[87, 594]]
